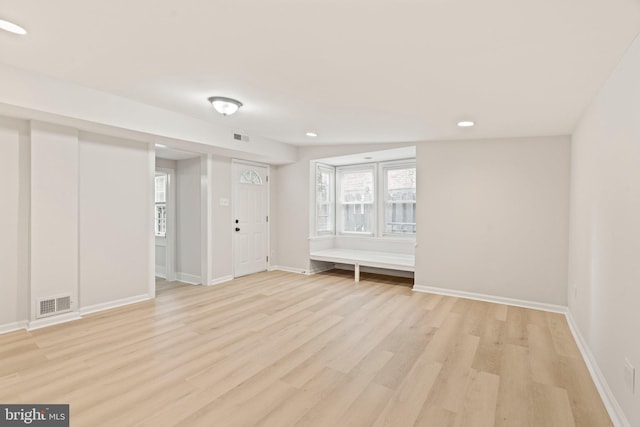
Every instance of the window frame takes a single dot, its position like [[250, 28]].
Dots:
[[339, 218], [157, 204], [321, 167], [383, 167]]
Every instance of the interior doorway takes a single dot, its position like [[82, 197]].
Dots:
[[250, 213], [164, 223], [177, 217]]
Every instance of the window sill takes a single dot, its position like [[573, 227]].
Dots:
[[322, 237], [386, 238]]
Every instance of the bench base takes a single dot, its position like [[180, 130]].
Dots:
[[357, 258]]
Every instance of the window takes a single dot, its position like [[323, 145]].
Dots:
[[399, 199], [373, 199], [161, 205], [356, 199], [250, 177], [325, 203]]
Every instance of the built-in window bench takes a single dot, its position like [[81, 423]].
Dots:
[[379, 253]]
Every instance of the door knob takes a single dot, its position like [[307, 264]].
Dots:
[[237, 229]]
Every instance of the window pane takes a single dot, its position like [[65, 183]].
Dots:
[[357, 217], [357, 197], [400, 200], [161, 188], [324, 200], [323, 188], [356, 187], [250, 177], [161, 209], [401, 218], [401, 180], [161, 220]]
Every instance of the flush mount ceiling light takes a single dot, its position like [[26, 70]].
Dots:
[[311, 134], [225, 106], [466, 124], [12, 28]]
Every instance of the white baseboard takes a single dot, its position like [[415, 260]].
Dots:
[[287, 269], [219, 280], [191, 279], [68, 317], [491, 298], [613, 408], [14, 326], [113, 304], [161, 275], [53, 320]]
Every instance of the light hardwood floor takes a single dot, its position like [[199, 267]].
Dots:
[[164, 286], [280, 349]]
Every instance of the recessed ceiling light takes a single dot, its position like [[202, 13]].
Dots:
[[12, 28], [311, 134], [161, 146], [368, 158], [466, 124]]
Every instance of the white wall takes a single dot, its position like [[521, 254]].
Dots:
[[13, 304], [115, 220], [78, 220], [493, 217], [161, 259], [604, 266], [274, 214], [35, 96], [54, 213], [24, 224], [165, 164], [221, 219], [188, 224]]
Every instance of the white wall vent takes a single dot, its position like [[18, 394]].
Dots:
[[239, 137], [52, 306]]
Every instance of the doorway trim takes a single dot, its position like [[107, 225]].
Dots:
[[232, 225], [170, 238]]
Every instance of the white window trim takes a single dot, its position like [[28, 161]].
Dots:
[[161, 237], [382, 168], [332, 199], [379, 183]]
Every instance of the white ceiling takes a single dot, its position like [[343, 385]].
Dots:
[[402, 153], [350, 70]]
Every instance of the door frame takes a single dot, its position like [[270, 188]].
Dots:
[[170, 238], [234, 185]]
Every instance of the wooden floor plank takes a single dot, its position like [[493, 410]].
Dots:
[[283, 349]]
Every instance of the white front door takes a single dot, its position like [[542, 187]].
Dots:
[[250, 218]]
